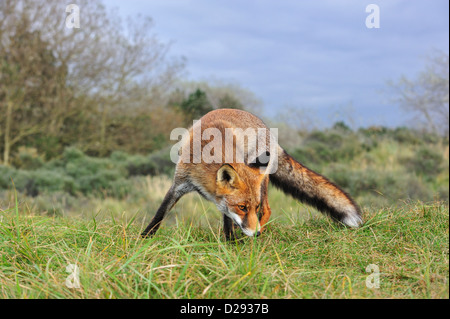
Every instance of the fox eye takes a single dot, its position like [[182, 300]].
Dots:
[[242, 207]]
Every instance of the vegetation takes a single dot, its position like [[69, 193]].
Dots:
[[84, 143], [87, 211], [93, 87], [378, 166], [426, 96], [307, 258]]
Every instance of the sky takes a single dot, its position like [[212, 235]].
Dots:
[[317, 56]]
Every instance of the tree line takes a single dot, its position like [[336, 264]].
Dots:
[[111, 84]]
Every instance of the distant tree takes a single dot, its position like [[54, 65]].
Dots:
[[33, 83], [196, 105], [220, 94], [230, 102], [96, 80], [427, 96], [341, 126]]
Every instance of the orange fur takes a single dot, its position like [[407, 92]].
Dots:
[[239, 189]]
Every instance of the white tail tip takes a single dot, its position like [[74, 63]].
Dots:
[[353, 220]]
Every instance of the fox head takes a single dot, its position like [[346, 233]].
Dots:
[[239, 195]]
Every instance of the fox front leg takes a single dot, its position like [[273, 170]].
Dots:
[[173, 195], [228, 228], [265, 211]]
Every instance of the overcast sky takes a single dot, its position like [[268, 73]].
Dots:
[[317, 55]]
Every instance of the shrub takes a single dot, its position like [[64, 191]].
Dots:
[[6, 173], [119, 156], [156, 163], [120, 188], [341, 127], [71, 154], [371, 181], [331, 139], [141, 165], [27, 158], [316, 152], [162, 161], [375, 165], [19, 177], [49, 180], [406, 136], [426, 162], [98, 183]]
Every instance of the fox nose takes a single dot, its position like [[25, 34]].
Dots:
[[258, 233]]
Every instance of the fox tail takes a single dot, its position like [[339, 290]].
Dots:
[[314, 189]]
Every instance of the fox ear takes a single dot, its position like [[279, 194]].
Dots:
[[261, 161], [227, 176]]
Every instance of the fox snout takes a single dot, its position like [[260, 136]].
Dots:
[[251, 232], [249, 224]]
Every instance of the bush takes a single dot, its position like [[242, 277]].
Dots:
[[5, 176], [330, 139], [426, 162], [71, 154], [321, 148], [406, 136], [374, 165], [52, 181], [368, 182], [20, 178], [162, 161], [157, 163], [141, 165], [98, 183], [27, 158]]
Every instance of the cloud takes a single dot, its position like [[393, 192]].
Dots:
[[317, 54]]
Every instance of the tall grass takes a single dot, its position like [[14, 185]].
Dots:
[[309, 258]]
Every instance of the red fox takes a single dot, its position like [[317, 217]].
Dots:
[[239, 188]]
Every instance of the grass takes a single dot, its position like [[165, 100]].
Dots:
[[309, 257]]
